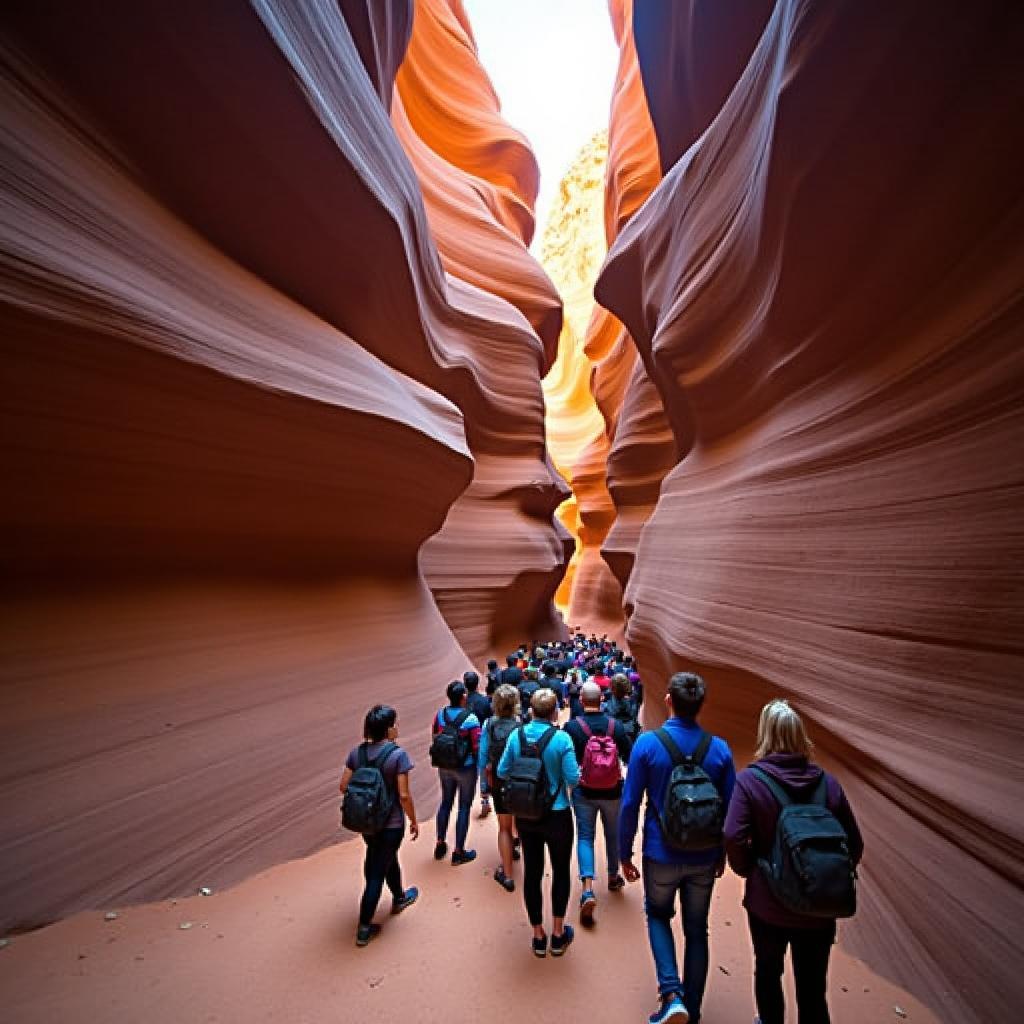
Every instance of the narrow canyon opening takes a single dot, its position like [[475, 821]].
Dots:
[[313, 395]]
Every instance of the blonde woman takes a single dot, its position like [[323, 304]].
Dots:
[[783, 767], [503, 722]]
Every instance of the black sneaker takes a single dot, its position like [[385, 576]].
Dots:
[[365, 932], [540, 947], [463, 857], [508, 884], [408, 899], [560, 943], [440, 849], [615, 883]]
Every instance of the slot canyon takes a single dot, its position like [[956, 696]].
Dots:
[[302, 410]]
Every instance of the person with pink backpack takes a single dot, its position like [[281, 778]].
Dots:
[[601, 743]]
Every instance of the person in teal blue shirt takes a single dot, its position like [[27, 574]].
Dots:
[[554, 831]]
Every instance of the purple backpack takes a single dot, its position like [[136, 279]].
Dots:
[[600, 768]]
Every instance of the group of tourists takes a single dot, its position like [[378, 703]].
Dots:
[[783, 823]]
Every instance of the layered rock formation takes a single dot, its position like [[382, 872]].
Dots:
[[573, 248], [825, 291], [242, 393], [479, 182]]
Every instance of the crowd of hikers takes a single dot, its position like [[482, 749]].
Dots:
[[783, 823]]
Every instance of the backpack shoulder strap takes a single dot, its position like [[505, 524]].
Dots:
[[382, 758], [777, 791], [361, 759], [609, 727], [820, 795], [543, 742], [523, 741], [703, 746], [461, 717], [586, 728], [670, 745]]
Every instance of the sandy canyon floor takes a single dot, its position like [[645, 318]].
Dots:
[[280, 947]]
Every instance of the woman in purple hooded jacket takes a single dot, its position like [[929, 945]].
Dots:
[[783, 751]]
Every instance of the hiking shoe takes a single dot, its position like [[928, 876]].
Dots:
[[540, 947], [440, 849], [615, 883], [672, 1010], [508, 884], [560, 943], [365, 932], [588, 904], [409, 897], [463, 857]]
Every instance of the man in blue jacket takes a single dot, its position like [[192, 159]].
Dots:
[[667, 870]]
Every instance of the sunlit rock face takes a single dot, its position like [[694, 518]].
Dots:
[[473, 168], [826, 292], [573, 248], [242, 393]]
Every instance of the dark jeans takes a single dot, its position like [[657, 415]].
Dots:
[[380, 866], [693, 883], [811, 948], [556, 833], [462, 782]]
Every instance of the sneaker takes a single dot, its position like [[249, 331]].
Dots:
[[588, 904], [463, 857], [485, 808], [672, 1010], [615, 883], [560, 943], [540, 947], [365, 932], [408, 899], [508, 884], [516, 852], [440, 849]]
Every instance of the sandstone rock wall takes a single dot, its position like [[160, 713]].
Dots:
[[241, 394], [826, 293]]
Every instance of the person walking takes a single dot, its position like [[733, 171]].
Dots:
[[783, 775], [539, 768], [383, 777], [600, 743], [480, 705], [456, 732], [688, 776], [494, 737]]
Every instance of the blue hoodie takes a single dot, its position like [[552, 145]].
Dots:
[[649, 769]]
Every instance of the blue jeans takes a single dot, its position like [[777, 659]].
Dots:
[[587, 811], [693, 883], [462, 781]]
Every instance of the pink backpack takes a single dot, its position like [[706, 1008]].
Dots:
[[600, 768]]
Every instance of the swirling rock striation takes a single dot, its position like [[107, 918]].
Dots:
[[826, 290], [241, 394]]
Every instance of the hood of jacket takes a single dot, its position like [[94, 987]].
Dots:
[[794, 771]]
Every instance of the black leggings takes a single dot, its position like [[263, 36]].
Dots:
[[811, 948], [380, 866], [556, 832]]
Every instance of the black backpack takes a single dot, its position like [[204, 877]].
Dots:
[[811, 871], [622, 711], [527, 789], [451, 747], [497, 738], [693, 815], [368, 799]]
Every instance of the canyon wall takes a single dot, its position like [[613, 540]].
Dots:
[[248, 383], [825, 291]]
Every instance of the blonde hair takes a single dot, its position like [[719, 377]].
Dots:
[[621, 686], [544, 702], [506, 700], [781, 731]]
